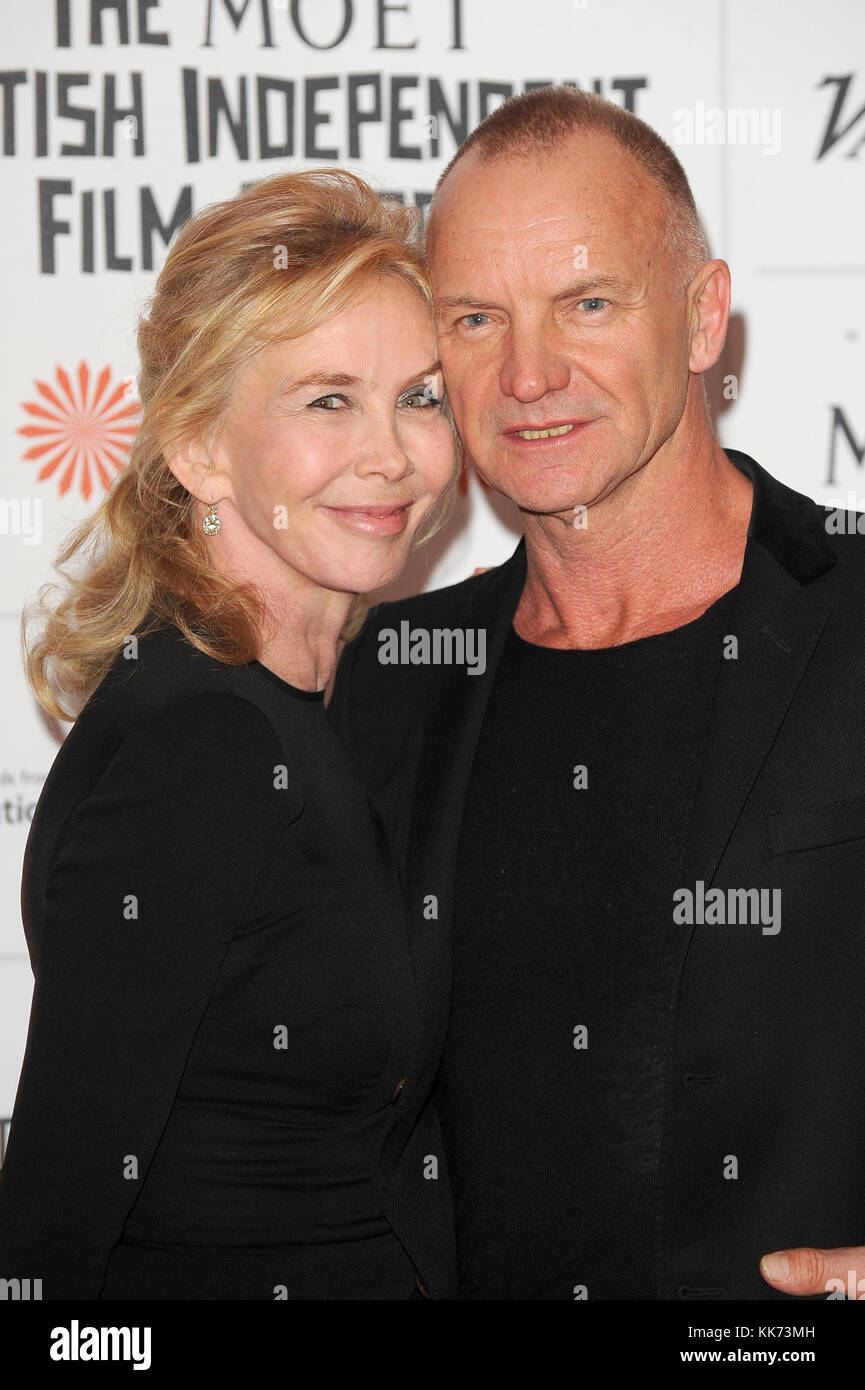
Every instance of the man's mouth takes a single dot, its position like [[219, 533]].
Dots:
[[549, 431], [545, 434]]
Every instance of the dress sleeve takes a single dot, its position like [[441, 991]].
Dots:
[[152, 877]]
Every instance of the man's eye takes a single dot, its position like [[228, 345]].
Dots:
[[469, 317], [594, 304], [324, 402], [422, 396]]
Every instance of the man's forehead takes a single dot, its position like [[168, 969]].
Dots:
[[548, 251], [588, 179], [484, 250], [541, 225]]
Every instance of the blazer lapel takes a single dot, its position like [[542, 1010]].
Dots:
[[777, 621], [452, 724], [776, 625]]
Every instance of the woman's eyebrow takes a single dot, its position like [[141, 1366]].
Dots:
[[432, 370], [325, 379]]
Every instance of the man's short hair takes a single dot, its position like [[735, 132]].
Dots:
[[535, 123]]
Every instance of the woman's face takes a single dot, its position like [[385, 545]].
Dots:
[[335, 446]]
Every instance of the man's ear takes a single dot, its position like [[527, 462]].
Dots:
[[709, 295], [201, 469]]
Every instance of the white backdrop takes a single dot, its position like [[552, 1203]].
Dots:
[[120, 115]]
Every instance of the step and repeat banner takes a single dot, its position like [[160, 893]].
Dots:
[[122, 117]]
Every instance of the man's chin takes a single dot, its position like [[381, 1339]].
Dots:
[[543, 502]]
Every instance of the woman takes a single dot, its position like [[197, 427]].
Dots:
[[224, 1009]]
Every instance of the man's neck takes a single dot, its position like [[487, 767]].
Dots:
[[652, 556]]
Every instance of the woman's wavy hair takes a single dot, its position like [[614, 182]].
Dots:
[[275, 261]]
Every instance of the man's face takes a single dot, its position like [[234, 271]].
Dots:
[[557, 307]]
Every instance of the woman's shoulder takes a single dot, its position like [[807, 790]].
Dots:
[[163, 692], [168, 744], [172, 722], [151, 671]]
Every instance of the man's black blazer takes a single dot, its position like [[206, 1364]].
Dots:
[[767, 1063]]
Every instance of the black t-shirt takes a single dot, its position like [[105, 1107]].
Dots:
[[565, 960], [224, 1001]]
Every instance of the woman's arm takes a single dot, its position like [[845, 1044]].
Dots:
[[153, 876]]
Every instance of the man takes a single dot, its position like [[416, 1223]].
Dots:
[[633, 843]]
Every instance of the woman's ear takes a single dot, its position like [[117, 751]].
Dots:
[[201, 470]]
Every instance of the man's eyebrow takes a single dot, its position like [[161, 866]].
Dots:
[[617, 283], [462, 301]]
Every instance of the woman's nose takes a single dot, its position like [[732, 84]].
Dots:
[[385, 454]]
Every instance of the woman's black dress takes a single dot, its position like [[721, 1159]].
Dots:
[[224, 1005]]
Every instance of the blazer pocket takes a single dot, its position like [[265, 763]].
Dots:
[[830, 824]]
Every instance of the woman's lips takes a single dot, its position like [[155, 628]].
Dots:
[[373, 521]]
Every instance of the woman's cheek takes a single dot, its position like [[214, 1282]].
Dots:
[[300, 467], [435, 451]]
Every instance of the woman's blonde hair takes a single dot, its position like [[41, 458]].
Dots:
[[275, 261]]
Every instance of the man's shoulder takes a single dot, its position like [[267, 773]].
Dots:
[[434, 604], [845, 531], [456, 606], [392, 669], [843, 535], [812, 540]]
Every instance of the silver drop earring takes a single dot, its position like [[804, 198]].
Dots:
[[212, 523]]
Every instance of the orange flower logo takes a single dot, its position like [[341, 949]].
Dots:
[[85, 433]]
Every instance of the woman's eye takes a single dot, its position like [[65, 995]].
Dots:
[[471, 319], [326, 402], [421, 398], [594, 304]]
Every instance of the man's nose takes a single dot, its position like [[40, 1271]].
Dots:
[[532, 367]]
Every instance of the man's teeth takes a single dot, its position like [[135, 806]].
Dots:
[[544, 434]]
